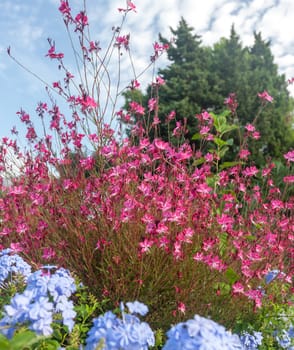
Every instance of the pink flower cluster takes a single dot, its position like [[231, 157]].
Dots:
[[141, 199], [152, 186]]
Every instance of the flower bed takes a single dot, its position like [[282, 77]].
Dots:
[[42, 301]]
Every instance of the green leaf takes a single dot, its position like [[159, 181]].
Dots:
[[4, 344], [226, 165], [231, 276], [57, 334], [50, 344], [223, 151], [250, 238], [230, 142], [223, 243], [23, 339], [219, 142], [196, 136], [223, 287], [198, 161], [227, 128], [219, 123], [212, 180]]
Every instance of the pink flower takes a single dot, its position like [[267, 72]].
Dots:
[[158, 49], [255, 295], [86, 102], [131, 6], [24, 117], [238, 288], [265, 96], [22, 227], [250, 171], [171, 116], [135, 84], [145, 245], [198, 257], [289, 156], [137, 108], [87, 163], [177, 252], [48, 253], [204, 130], [244, 153], [52, 54], [250, 127], [159, 81], [31, 133], [16, 247], [277, 204], [152, 103], [17, 190], [203, 188], [214, 262], [162, 145], [56, 84], [256, 135], [156, 121], [94, 46], [231, 102], [181, 307], [208, 244], [5, 231], [64, 7], [209, 157], [225, 221], [81, 19], [205, 116], [289, 179], [123, 41]]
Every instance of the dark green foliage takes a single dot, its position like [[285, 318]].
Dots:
[[201, 77]]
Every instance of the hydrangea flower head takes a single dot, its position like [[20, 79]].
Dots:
[[200, 334], [251, 341], [128, 333], [12, 264], [285, 339], [45, 295]]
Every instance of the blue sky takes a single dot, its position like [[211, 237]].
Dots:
[[26, 25]]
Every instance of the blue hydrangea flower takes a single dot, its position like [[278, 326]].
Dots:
[[251, 341], [61, 284], [40, 316], [4, 330], [45, 295], [270, 276], [285, 339], [66, 307], [137, 308], [18, 308], [128, 333], [12, 264], [201, 334], [37, 283]]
